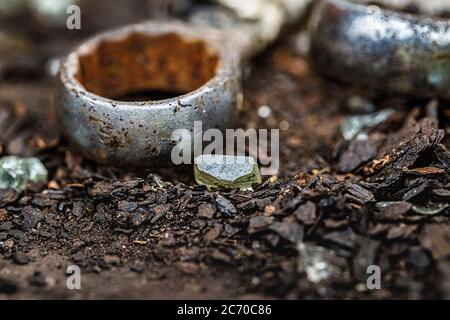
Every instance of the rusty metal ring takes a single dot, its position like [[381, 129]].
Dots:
[[380, 48], [165, 56]]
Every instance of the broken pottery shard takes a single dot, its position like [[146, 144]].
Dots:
[[219, 171], [16, 172]]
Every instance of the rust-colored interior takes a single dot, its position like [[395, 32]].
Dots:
[[143, 63]]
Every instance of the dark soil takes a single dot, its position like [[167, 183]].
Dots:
[[135, 236]]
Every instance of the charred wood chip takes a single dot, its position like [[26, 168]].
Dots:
[[225, 207], [8, 196], [425, 171], [3, 215], [436, 238], [121, 218], [230, 231], [443, 155], [359, 152], [443, 193], [220, 257], [291, 231], [391, 184], [360, 193], [31, 217], [161, 197], [335, 224], [213, 234], [418, 259], [102, 189], [160, 211], [259, 223], [401, 231], [127, 206], [393, 211], [411, 194], [397, 248], [206, 211], [247, 205], [6, 226], [17, 234], [347, 239], [263, 203], [365, 257], [412, 142], [139, 217], [129, 184], [379, 229], [78, 208], [418, 191], [155, 180], [327, 202], [306, 213], [407, 154]]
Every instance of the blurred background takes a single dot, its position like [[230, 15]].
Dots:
[[41, 24]]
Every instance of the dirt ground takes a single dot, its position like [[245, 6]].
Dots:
[[343, 205]]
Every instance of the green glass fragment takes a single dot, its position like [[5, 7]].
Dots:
[[16, 172], [220, 171], [435, 210]]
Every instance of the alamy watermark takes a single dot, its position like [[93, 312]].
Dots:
[[74, 277], [73, 21], [374, 280], [263, 145]]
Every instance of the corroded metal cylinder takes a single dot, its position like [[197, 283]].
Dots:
[[387, 50], [197, 64]]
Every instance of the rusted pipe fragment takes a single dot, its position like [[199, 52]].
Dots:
[[198, 65], [380, 48]]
